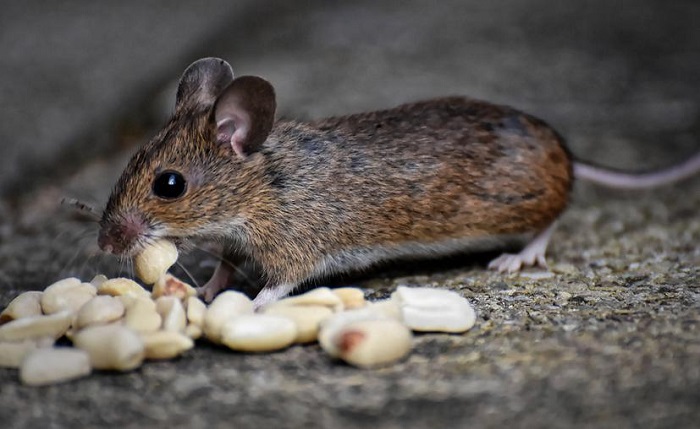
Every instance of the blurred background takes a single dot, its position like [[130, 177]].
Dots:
[[85, 83], [611, 340]]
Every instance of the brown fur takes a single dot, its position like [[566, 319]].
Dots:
[[422, 172], [340, 193]]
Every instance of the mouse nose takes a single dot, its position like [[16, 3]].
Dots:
[[119, 237], [112, 240], [105, 242]]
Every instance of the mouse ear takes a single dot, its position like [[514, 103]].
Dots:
[[245, 113], [202, 82]]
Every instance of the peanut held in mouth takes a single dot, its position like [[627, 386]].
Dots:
[[155, 260]]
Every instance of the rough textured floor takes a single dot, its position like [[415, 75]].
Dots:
[[609, 338]]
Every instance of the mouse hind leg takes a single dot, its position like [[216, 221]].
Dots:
[[531, 255], [218, 282], [231, 264]]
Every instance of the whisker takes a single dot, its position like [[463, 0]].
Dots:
[[121, 265], [91, 265], [87, 260], [95, 260], [82, 207], [130, 267], [106, 265], [63, 230], [70, 236], [79, 243], [191, 277]]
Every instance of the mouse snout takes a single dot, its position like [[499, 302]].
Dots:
[[120, 237]]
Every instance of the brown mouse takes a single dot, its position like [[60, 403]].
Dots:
[[303, 200]]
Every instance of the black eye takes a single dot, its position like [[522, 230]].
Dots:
[[169, 185]]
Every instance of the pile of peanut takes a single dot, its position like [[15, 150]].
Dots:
[[116, 324]]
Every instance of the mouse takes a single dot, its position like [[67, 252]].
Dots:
[[306, 199]]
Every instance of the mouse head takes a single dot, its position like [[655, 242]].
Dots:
[[194, 177]]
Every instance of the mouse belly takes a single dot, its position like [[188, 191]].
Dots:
[[357, 258]]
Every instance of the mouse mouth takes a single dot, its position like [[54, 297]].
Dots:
[[123, 246]]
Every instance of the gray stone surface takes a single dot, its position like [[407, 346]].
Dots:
[[611, 339]]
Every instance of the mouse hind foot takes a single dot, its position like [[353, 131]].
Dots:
[[532, 255]]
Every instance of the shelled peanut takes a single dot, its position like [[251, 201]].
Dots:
[[116, 324]]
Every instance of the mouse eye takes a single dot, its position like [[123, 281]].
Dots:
[[169, 185]]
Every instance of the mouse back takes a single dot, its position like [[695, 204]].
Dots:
[[480, 166]]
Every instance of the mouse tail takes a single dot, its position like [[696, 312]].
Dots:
[[621, 180]]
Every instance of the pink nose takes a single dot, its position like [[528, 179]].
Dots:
[[112, 240], [119, 237]]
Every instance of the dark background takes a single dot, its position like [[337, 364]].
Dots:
[[83, 84]]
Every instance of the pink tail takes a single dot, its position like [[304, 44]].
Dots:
[[638, 181]]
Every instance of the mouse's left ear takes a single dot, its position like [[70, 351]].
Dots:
[[202, 82], [244, 114]]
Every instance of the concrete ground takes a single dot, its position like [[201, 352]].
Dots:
[[611, 338]]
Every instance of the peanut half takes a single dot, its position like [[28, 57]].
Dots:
[[54, 326], [351, 297], [225, 306], [165, 344], [169, 285], [98, 280], [173, 314], [54, 365], [196, 310], [12, 353], [67, 294], [370, 343], [434, 310], [333, 324], [307, 319], [99, 311], [111, 347], [24, 305], [141, 315], [155, 260], [122, 286], [320, 296], [258, 333], [193, 331]]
